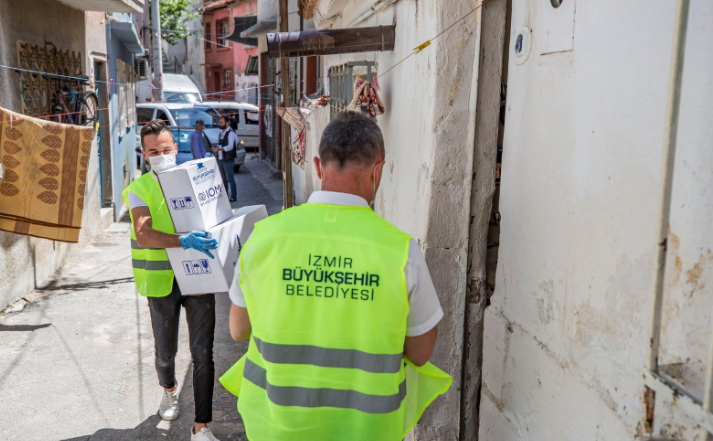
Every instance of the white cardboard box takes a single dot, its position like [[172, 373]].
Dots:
[[195, 195], [197, 273]]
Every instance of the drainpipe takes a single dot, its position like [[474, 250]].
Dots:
[[157, 56], [669, 157]]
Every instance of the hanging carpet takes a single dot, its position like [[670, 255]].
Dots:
[[45, 163]]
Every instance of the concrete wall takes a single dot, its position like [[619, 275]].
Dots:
[[566, 335], [428, 129], [25, 262]]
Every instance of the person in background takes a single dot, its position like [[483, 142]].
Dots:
[[152, 232], [225, 152], [197, 141], [339, 307]]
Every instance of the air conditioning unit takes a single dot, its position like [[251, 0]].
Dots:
[[141, 67]]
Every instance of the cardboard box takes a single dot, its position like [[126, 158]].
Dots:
[[197, 273], [195, 195]]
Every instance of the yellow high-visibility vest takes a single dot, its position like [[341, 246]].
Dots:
[[326, 293], [152, 270]]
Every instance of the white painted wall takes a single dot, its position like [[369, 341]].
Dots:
[[428, 131], [566, 332]]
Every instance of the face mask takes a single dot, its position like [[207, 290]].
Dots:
[[162, 162]]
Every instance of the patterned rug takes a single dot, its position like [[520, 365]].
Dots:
[[42, 193]]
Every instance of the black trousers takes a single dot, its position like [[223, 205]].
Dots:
[[200, 315]]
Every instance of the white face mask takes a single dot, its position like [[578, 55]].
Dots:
[[162, 162]]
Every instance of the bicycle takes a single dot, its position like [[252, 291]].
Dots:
[[84, 105]]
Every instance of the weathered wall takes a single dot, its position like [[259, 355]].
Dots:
[[27, 262], [429, 134], [567, 331]]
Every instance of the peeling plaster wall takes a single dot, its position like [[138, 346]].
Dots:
[[566, 334], [429, 129]]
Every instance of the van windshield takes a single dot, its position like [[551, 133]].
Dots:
[[182, 97], [187, 117]]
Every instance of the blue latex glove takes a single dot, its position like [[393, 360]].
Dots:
[[197, 240]]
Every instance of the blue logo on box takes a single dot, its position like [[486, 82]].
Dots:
[[196, 267], [182, 203], [210, 195]]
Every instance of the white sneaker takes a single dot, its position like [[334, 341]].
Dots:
[[204, 435], [169, 410]]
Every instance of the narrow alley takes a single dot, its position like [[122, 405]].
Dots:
[[468, 220], [91, 330]]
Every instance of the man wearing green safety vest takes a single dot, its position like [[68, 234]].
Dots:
[[151, 233], [339, 307]]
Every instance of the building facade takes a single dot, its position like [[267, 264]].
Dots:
[[31, 25], [231, 69], [546, 272]]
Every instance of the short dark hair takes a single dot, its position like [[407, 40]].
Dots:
[[155, 127], [200, 122], [351, 138], [224, 118]]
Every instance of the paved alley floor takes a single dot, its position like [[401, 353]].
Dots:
[[77, 362]]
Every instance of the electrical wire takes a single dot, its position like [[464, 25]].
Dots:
[[417, 50]]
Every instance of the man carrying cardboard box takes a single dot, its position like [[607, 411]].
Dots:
[[151, 233], [339, 307]]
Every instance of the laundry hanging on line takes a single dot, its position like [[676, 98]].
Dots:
[[45, 165]]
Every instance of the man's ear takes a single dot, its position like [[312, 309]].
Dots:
[[378, 168], [317, 167]]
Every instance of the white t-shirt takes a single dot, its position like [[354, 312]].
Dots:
[[135, 201], [424, 307]]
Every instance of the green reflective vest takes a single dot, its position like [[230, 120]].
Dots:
[[152, 270], [326, 292]]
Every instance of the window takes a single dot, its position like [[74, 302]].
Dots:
[[252, 117], [183, 139], [160, 114], [145, 115], [182, 97], [187, 117], [222, 30], [208, 37], [227, 77], [251, 67]]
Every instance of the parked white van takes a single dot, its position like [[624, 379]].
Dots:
[[180, 89], [247, 117]]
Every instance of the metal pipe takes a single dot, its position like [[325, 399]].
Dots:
[[286, 95], [156, 45], [669, 157], [330, 41]]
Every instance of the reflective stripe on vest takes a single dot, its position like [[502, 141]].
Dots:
[[135, 246], [307, 397], [151, 265], [326, 357], [152, 270], [326, 292]]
